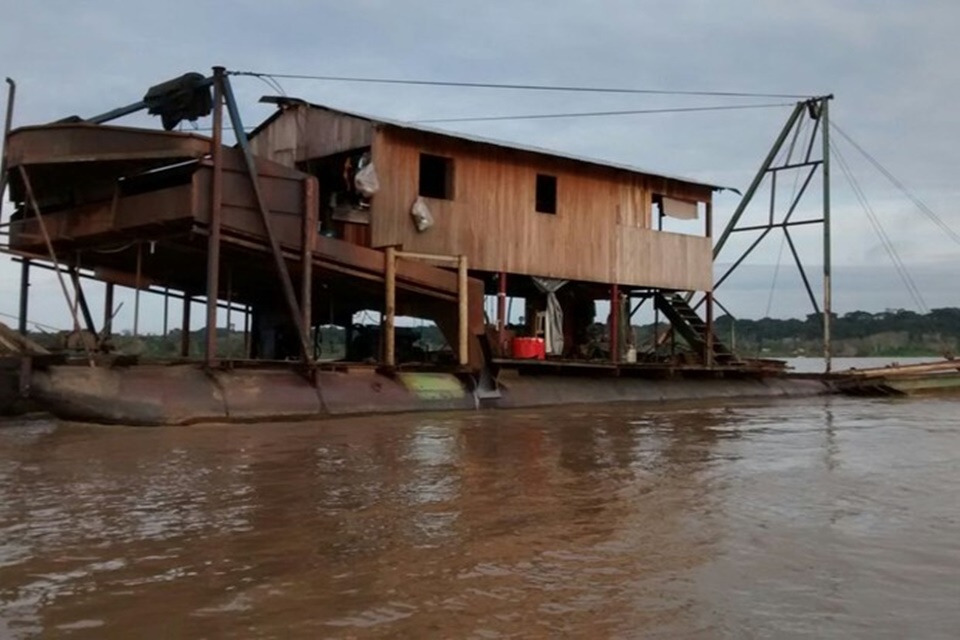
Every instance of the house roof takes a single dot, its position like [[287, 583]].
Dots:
[[283, 101]]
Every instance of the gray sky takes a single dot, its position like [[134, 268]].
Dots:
[[890, 64]]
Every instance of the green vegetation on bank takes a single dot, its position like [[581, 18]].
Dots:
[[897, 333]]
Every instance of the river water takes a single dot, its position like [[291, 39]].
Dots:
[[820, 518]]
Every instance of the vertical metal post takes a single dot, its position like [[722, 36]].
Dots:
[[24, 296], [246, 333], [502, 311], [31, 198], [108, 312], [216, 206], [185, 326], [463, 350], [136, 293], [81, 301], [708, 343], [390, 306], [615, 323], [289, 294], [166, 312], [8, 123], [827, 267]]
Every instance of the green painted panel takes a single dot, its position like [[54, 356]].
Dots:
[[433, 386]]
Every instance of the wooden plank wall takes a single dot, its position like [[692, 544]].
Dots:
[[601, 231], [303, 133]]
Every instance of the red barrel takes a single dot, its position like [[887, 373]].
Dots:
[[529, 348]]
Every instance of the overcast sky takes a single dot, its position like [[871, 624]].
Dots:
[[891, 65]]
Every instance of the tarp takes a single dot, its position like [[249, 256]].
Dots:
[[553, 334]]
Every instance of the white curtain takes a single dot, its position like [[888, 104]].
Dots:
[[554, 328]]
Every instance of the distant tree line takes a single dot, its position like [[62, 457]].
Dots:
[[896, 332]]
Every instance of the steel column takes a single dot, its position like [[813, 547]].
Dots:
[[286, 283], [185, 326], [108, 313], [827, 267], [24, 296], [216, 206], [136, 291], [7, 124], [311, 207], [708, 342]]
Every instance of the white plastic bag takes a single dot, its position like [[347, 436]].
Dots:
[[366, 181], [422, 217]]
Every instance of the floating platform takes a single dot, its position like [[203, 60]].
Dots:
[[900, 380], [181, 394]]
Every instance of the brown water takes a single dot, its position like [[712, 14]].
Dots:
[[817, 518]]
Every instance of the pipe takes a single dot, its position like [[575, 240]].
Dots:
[[7, 124], [708, 342], [185, 327], [108, 312], [390, 305], [216, 207], [24, 296]]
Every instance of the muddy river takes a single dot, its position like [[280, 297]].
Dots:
[[824, 518]]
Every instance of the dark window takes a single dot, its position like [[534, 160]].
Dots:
[[546, 193], [436, 177]]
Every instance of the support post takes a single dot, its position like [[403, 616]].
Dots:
[[311, 207], [246, 333], [136, 292], [502, 312], [279, 262], [166, 313], [390, 305], [216, 206], [463, 334], [827, 267], [185, 326], [708, 342], [108, 312], [24, 296], [7, 124], [81, 301], [229, 304], [615, 323]]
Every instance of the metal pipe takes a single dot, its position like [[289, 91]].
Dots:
[[108, 312], [708, 359], [24, 296], [216, 206], [46, 239], [246, 332], [166, 312], [827, 267], [463, 334], [229, 301], [389, 308], [286, 283], [82, 301], [7, 125], [185, 327]]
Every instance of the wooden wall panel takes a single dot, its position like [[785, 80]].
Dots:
[[303, 133], [601, 231]]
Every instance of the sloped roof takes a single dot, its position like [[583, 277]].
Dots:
[[281, 101]]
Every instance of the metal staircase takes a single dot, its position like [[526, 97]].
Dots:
[[692, 328]]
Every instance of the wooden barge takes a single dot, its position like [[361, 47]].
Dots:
[[320, 214]]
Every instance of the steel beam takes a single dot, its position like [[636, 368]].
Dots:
[[827, 267], [286, 283], [7, 124], [216, 206], [24, 296]]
